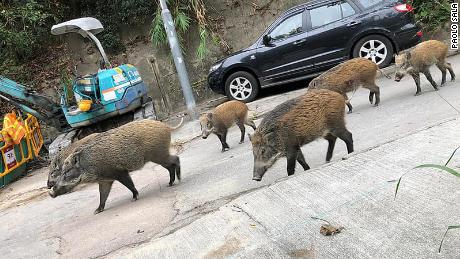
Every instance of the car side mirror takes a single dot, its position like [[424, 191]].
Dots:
[[267, 40]]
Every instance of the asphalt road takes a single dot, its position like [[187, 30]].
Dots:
[[34, 225]]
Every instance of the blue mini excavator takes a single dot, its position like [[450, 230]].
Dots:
[[95, 101]]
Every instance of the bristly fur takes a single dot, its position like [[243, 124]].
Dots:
[[223, 117], [299, 121], [420, 59], [348, 77]]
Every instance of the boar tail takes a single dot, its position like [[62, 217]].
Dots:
[[178, 125], [383, 73]]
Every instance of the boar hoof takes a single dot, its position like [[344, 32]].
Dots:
[[225, 150], [376, 105], [98, 210], [417, 94], [135, 197], [349, 112], [171, 184], [241, 142]]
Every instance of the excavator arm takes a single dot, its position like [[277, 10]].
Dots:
[[26, 100]]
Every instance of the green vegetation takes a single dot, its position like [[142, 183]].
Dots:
[[24, 28], [442, 168], [183, 11], [431, 14]]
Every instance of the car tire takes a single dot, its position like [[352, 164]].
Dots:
[[376, 48], [242, 86]]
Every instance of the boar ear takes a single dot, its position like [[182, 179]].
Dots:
[[76, 159], [209, 115], [268, 136]]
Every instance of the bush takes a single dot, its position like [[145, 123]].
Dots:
[[432, 14], [25, 27]]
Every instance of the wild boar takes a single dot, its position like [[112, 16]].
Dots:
[[222, 118], [419, 61], [348, 77], [115, 153], [292, 124], [55, 166]]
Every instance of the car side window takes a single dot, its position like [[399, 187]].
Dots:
[[330, 13], [347, 10], [290, 26], [325, 14]]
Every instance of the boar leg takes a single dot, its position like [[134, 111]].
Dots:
[[177, 166], [330, 149], [223, 141], [374, 90], [430, 78], [127, 181], [443, 69], [371, 97], [243, 131], [173, 166], [291, 155], [350, 108], [301, 160], [451, 71], [346, 136], [172, 173], [417, 83], [104, 190]]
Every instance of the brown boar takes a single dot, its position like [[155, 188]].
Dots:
[[292, 124], [222, 118], [348, 77], [113, 154], [420, 59]]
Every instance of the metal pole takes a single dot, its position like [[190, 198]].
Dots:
[[178, 59]]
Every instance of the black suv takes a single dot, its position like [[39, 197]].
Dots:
[[313, 37]]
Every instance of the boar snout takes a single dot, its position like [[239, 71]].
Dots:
[[50, 184], [52, 193], [59, 190], [259, 173]]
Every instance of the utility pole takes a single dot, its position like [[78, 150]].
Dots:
[[178, 59]]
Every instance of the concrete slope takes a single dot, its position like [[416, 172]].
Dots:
[[357, 193]]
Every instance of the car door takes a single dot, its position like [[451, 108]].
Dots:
[[283, 57], [330, 29]]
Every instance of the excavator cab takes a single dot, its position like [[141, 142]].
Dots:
[[107, 93]]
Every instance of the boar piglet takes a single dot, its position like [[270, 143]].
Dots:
[[222, 118], [419, 61], [284, 130]]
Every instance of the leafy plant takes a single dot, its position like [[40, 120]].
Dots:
[[24, 27], [183, 11], [431, 14], [443, 168]]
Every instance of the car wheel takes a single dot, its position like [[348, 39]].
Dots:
[[241, 86], [376, 48]]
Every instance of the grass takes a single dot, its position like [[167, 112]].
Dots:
[[441, 168]]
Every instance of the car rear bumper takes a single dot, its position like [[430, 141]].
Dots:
[[408, 37]]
